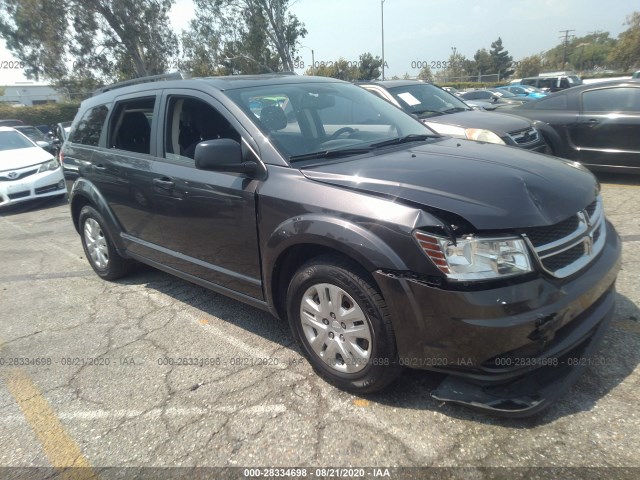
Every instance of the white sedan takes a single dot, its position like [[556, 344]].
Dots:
[[26, 170]]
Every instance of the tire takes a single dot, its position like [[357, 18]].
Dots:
[[99, 247], [351, 346]]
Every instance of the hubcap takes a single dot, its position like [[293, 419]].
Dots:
[[96, 243], [344, 341]]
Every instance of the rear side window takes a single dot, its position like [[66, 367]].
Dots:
[[90, 126], [621, 99], [552, 103], [131, 125]]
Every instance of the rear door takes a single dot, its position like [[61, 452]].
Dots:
[[607, 128]]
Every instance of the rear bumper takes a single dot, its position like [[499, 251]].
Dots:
[[497, 337]]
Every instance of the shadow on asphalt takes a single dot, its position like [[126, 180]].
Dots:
[[31, 205], [620, 354]]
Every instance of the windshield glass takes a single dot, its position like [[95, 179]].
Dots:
[[425, 100], [32, 132], [503, 93], [14, 141], [306, 119]]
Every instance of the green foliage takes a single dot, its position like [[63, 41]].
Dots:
[[426, 74], [529, 66], [501, 60], [626, 55], [50, 113], [483, 62], [366, 69]]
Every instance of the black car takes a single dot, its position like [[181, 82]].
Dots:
[[384, 244], [597, 124], [39, 138], [448, 115]]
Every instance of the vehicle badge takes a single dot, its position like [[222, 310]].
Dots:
[[12, 175]]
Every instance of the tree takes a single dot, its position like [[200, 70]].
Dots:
[[104, 39], [456, 70], [369, 67], [627, 51], [484, 63], [35, 32], [501, 59], [426, 74], [529, 66]]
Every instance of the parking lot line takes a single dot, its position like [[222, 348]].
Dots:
[[63, 452]]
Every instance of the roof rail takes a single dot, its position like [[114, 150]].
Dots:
[[135, 81]]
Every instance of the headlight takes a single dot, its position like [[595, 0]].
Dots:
[[476, 258], [50, 165], [482, 135], [477, 134]]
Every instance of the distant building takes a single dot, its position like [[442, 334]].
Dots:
[[29, 93]]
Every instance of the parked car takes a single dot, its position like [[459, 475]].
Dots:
[[10, 122], [498, 98], [635, 75], [596, 124], [381, 242], [524, 91], [452, 91], [26, 170], [38, 138], [552, 83], [449, 115]]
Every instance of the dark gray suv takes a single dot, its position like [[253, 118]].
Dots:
[[384, 244]]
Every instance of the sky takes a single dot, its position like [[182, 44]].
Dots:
[[426, 30]]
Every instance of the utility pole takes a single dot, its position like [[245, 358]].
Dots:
[[566, 44], [382, 8]]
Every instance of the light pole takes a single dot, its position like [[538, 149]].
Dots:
[[313, 59], [382, 8]]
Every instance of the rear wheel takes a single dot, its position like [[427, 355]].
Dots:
[[99, 248], [342, 324]]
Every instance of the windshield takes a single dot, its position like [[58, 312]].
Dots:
[[426, 100], [14, 141], [32, 132], [305, 120], [503, 93]]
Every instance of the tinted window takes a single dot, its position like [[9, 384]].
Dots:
[[620, 99], [552, 103], [90, 126], [131, 125], [189, 122], [13, 141]]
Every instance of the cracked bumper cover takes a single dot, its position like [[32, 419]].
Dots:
[[510, 349]]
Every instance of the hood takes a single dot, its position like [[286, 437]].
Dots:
[[23, 157], [491, 186], [500, 123]]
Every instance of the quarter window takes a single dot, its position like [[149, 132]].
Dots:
[[90, 126]]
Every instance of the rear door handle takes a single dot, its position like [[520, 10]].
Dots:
[[593, 121], [100, 167], [164, 183]]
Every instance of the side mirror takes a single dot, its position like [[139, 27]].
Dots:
[[222, 155]]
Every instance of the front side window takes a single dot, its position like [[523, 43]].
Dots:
[[89, 127], [189, 122], [131, 125], [619, 99], [308, 118], [13, 141]]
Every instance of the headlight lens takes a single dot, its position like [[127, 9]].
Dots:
[[482, 135], [50, 165], [476, 258]]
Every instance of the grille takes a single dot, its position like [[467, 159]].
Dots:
[[566, 247], [526, 136], [4, 178]]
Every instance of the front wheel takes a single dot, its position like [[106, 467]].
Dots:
[[342, 324]]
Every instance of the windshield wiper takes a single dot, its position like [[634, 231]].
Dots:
[[406, 139], [421, 112], [455, 109], [345, 152]]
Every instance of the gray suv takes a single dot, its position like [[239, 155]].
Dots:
[[384, 244]]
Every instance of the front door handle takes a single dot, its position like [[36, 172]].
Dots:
[[100, 167], [593, 121], [164, 183]]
